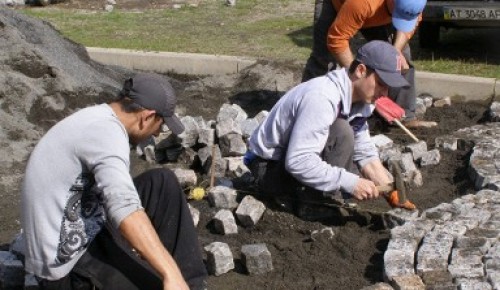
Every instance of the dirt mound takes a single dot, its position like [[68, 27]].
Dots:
[[44, 78]]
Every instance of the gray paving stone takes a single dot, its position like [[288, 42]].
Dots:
[[381, 141], [224, 222], [219, 258], [187, 177], [232, 145], [195, 214], [438, 279], [388, 154], [479, 243], [222, 197], [413, 282], [250, 211], [417, 149], [398, 263], [398, 216], [474, 285], [447, 143], [11, 272], [466, 270], [431, 157], [466, 256], [454, 228], [257, 259], [378, 286]]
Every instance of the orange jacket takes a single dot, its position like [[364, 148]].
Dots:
[[352, 15]]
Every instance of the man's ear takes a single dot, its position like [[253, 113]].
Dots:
[[361, 71]]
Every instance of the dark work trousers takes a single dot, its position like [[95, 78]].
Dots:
[[274, 180], [322, 61], [111, 265]]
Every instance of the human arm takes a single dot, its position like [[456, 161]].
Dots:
[[140, 234]]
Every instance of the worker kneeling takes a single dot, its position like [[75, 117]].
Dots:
[[315, 142]]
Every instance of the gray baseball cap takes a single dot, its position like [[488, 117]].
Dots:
[[154, 92], [385, 60]]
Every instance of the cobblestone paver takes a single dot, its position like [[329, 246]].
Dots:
[[456, 245]]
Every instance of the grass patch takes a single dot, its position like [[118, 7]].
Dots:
[[279, 29]]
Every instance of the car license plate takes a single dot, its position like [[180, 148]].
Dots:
[[467, 13]]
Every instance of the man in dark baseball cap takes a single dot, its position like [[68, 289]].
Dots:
[[78, 184], [385, 60], [153, 92]]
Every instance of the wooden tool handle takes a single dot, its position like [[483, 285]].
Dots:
[[406, 130], [385, 188]]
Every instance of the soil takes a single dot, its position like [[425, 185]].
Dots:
[[350, 259]]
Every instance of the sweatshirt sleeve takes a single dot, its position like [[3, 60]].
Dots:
[[105, 152], [364, 149], [314, 115]]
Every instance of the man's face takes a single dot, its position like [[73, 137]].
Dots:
[[149, 125], [372, 87]]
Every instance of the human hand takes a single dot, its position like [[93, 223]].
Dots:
[[365, 189], [404, 63]]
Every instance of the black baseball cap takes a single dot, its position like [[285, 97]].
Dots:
[[154, 92], [385, 60]]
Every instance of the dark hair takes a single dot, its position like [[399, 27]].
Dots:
[[355, 63], [128, 105]]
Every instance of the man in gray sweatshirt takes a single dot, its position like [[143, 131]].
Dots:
[[87, 223], [317, 132]]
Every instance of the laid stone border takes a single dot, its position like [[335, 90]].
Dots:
[[453, 245]]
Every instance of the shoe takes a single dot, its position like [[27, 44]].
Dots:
[[419, 124]]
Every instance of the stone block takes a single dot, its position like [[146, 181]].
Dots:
[[235, 167], [404, 245], [492, 263], [222, 197], [206, 159], [225, 127], [187, 177], [248, 126], [195, 214], [206, 136], [224, 222], [407, 164], [232, 145], [256, 258], [414, 230], [468, 284], [231, 112], [261, 116], [398, 263], [434, 252], [219, 258], [444, 102], [436, 278], [466, 256], [398, 216], [479, 243], [414, 178], [466, 270], [378, 286], [191, 131], [382, 142], [494, 112], [447, 143], [454, 228], [417, 149], [431, 157], [250, 211], [494, 279], [17, 246], [407, 282], [388, 154], [437, 215]]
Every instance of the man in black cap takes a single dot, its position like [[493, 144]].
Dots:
[[86, 223], [307, 145]]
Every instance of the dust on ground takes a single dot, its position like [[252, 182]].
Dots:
[[350, 259]]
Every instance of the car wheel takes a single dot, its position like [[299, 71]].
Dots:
[[43, 2], [428, 35]]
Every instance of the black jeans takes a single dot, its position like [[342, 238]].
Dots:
[[273, 179], [321, 61], [108, 264]]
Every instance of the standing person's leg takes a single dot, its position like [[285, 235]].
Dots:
[[320, 61]]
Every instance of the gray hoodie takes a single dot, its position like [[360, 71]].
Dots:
[[298, 126]]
